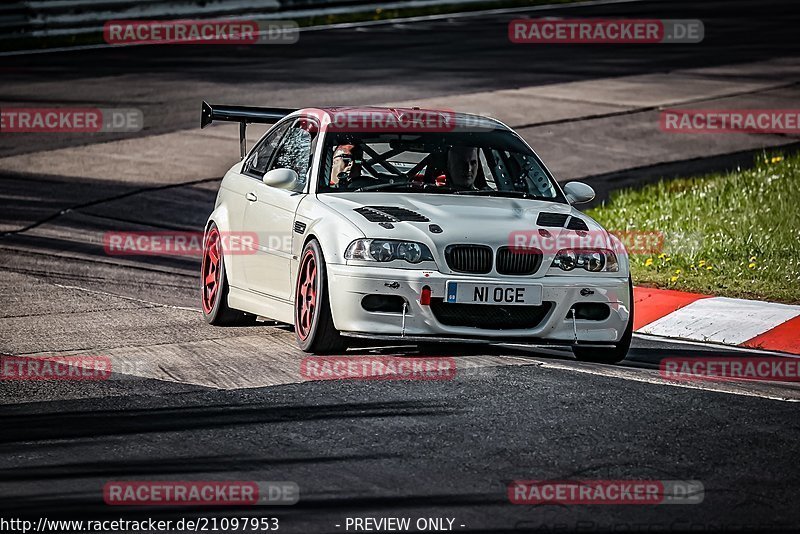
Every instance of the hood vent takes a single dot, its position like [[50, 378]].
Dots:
[[390, 214], [557, 220], [552, 220], [577, 224]]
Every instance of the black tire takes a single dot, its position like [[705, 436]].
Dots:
[[610, 355], [313, 321], [214, 300]]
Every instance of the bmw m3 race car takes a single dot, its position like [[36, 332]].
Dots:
[[415, 225]]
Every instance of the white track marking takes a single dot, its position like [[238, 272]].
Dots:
[[722, 320], [323, 27], [652, 377], [134, 299], [465, 14], [720, 346]]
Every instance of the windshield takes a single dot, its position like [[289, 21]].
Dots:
[[494, 163]]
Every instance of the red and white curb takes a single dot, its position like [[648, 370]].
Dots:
[[747, 323]]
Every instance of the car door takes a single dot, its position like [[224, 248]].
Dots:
[[236, 188], [270, 212]]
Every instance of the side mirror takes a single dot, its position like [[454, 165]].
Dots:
[[281, 178], [578, 192]]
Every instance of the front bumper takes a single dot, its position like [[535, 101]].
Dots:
[[349, 284]]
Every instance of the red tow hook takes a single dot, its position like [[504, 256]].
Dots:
[[425, 296]]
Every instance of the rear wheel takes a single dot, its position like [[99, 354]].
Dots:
[[614, 354], [214, 299], [313, 321]]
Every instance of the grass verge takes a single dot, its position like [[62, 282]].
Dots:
[[734, 234]]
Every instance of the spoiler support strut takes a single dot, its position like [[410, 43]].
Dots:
[[243, 115]]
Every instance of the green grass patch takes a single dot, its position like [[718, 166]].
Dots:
[[735, 234]]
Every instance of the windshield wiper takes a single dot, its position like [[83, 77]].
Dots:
[[426, 188], [494, 192]]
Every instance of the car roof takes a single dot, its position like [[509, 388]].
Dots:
[[459, 119]]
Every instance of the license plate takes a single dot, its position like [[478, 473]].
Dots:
[[500, 294]]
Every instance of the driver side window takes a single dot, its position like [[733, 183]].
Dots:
[[256, 164]]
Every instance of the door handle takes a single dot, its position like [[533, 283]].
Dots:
[[251, 197]]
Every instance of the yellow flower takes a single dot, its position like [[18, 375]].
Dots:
[[776, 159], [674, 278], [677, 271], [668, 259], [752, 266], [662, 256], [708, 268], [649, 262], [701, 263]]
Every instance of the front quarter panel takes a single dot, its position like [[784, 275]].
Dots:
[[333, 231]]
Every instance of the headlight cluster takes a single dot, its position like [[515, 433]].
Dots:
[[593, 260], [387, 250]]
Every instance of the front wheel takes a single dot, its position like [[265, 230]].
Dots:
[[313, 321], [613, 354]]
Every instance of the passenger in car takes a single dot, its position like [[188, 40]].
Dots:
[[462, 166]]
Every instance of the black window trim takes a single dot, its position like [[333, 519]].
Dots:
[[246, 169], [293, 120]]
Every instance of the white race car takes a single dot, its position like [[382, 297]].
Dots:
[[410, 225]]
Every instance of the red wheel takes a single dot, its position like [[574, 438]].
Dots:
[[214, 284], [210, 270], [313, 321], [306, 295]]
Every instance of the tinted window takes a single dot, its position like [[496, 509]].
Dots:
[[490, 163]]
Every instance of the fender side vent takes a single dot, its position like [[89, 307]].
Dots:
[[300, 227]]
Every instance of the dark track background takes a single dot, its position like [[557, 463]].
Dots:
[[222, 408], [385, 62]]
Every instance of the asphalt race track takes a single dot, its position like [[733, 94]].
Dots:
[[210, 403]]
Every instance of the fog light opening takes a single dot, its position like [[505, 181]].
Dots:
[[589, 311], [383, 303]]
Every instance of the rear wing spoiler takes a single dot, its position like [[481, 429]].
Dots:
[[244, 115]]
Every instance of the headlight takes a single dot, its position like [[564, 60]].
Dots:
[[387, 250], [593, 260]]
